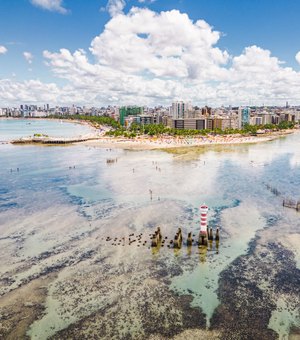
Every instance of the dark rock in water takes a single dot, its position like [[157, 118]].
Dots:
[[294, 332], [7, 281], [242, 298]]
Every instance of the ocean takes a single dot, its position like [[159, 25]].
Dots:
[[75, 232]]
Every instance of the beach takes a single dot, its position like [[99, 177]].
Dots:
[[94, 135], [169, 142]]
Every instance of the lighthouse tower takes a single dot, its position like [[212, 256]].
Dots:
[[203, 225]]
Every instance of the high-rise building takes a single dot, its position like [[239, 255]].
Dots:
[[206, 111], [126, 111], [244, 116], [180, 109]]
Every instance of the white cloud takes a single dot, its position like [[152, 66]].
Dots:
[[15, 92], [150, 58], [298, 57], [164, 45], [28, 56], [115, 7], [146, 1], [3, 49], [50, 5]]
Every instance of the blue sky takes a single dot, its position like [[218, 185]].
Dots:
[[33, 26]]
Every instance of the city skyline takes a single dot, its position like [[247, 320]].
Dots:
[[149, 52]]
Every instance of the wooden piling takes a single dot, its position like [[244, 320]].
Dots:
[[217, 238], [189, 240]]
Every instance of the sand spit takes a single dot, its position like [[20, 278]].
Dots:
[[169, 143]]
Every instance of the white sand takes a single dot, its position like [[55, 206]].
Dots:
[[145, 142]]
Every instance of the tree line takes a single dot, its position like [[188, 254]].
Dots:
[[159, 129]]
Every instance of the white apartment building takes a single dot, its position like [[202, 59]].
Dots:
[[179, 109]]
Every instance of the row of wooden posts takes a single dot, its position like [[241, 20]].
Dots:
[[178, 238], [290, 203], [287, 202]]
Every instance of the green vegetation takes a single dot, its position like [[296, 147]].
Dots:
[[159, 129], [40, 135], [286, 125], [95, 120], [252, 129]]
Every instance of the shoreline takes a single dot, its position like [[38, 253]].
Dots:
[[98, 139], [169, 143], [153, 143], [71, 121]]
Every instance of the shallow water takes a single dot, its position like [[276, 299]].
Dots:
[[63, 203], [16, 128]]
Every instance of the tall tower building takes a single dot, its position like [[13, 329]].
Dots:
[[180, 109], [243, 116]]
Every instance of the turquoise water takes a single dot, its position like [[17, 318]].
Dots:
[[16, 128], [59, 195]]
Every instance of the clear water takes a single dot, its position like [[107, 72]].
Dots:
[[16, 128], [61, 193]]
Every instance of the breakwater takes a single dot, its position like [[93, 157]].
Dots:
[[49, 140]]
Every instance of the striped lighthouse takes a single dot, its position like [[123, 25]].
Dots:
[[203, 225]]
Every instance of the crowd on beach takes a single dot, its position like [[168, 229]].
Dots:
[[169, 141]]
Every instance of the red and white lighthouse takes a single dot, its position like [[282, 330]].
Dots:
[[203, 225]]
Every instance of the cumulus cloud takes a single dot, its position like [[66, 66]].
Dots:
[[145, 54], [150, 58], [50, 5], [115, 7], [15, 92], [168, 44], [298, 57], [3, 49], [28, 56]]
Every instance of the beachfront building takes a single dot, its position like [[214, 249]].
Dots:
[[126, 111], [188, 123], [266, 118], [255, 120], [180, 109], [244, 116], [147, 119], [206, 111], [297, 116], [226, 123], [203, 122], [222, 123]]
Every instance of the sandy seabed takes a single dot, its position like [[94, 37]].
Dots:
[[61, 277]]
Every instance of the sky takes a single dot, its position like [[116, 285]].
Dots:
[[149, 52]]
